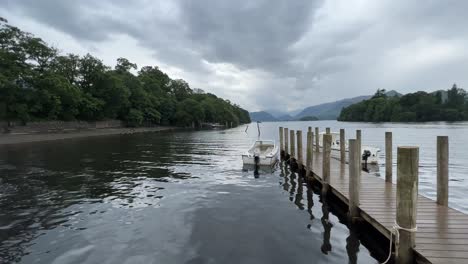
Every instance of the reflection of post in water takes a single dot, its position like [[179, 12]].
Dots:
[[298, 200], [257, 161], [352, 244], [326, 247], [286, 178], [293, 186], [310, 200]]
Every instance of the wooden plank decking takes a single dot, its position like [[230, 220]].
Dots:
[[442, 235]]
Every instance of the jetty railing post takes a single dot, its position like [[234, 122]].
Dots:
[[327, 130], [281, 139], [308, 151], [354, 179], [292, 150], [442, 170], [342, 146], [317, 147], [388, 157], [407, 199], [327, 138], [359, 142], [299, 148]]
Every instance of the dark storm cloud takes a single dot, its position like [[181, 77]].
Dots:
[[250, 34], [299, 52]]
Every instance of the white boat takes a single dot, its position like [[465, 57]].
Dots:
[[266, 151], [372, 153]]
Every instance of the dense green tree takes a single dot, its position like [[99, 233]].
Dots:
[[37, 83], [413, 107]]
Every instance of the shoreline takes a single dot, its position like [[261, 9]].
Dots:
[[12, 139]]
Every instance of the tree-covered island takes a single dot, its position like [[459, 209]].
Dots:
[[449, 105]]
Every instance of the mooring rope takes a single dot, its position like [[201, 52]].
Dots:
[[395, 231]]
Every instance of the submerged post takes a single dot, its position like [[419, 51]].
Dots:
[[359, 142], [388, 157], [342, 146], [281, 138], [286, 141], [299, 147], [354, 179], [327, 138], [317, 147], [407, 199], [442, 170]]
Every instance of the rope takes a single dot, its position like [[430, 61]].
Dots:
[[395, 231]]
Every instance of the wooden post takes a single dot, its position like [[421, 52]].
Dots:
[[359, 142], [317, 147], [291, 139], [286, 141], [342, 146], [442, 170], [407, 199], [299, 147], [354, 179], [327, 138], [388, 157], [309, 152], [327, 130], [281, 138]]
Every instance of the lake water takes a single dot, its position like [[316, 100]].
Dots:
[[160, 198], [184, 198]]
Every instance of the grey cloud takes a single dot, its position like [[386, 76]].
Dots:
[[313, 53]]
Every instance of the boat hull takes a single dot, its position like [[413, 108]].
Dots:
[[263, 161]]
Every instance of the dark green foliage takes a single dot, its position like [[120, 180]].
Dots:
[[37, 83], [414, 107]]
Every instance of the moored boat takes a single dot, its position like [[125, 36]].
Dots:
[[262, 153], [371, 153]]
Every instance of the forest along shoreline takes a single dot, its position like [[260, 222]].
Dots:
[[10, 139]]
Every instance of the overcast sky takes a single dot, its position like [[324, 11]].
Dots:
[[262, 54]]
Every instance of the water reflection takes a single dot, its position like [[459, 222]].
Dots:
[[327, 226], [163, 198], [310, 200], [352, 244]]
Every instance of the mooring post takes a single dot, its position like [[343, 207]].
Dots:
[[327, 130], [281, 139], [317, 147], [359, 142], [309, 151], [327, 138], [388, 157], [342, 146], [407, 199], [292, 143], [354, 179], [442, 170], [299, 148]]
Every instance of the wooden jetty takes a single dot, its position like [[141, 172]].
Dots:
[[428, 231]]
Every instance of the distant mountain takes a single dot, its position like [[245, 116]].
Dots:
[[330, 111], [327, 111], [285, 118], [262, 116], [281, 114], [393, 93]]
